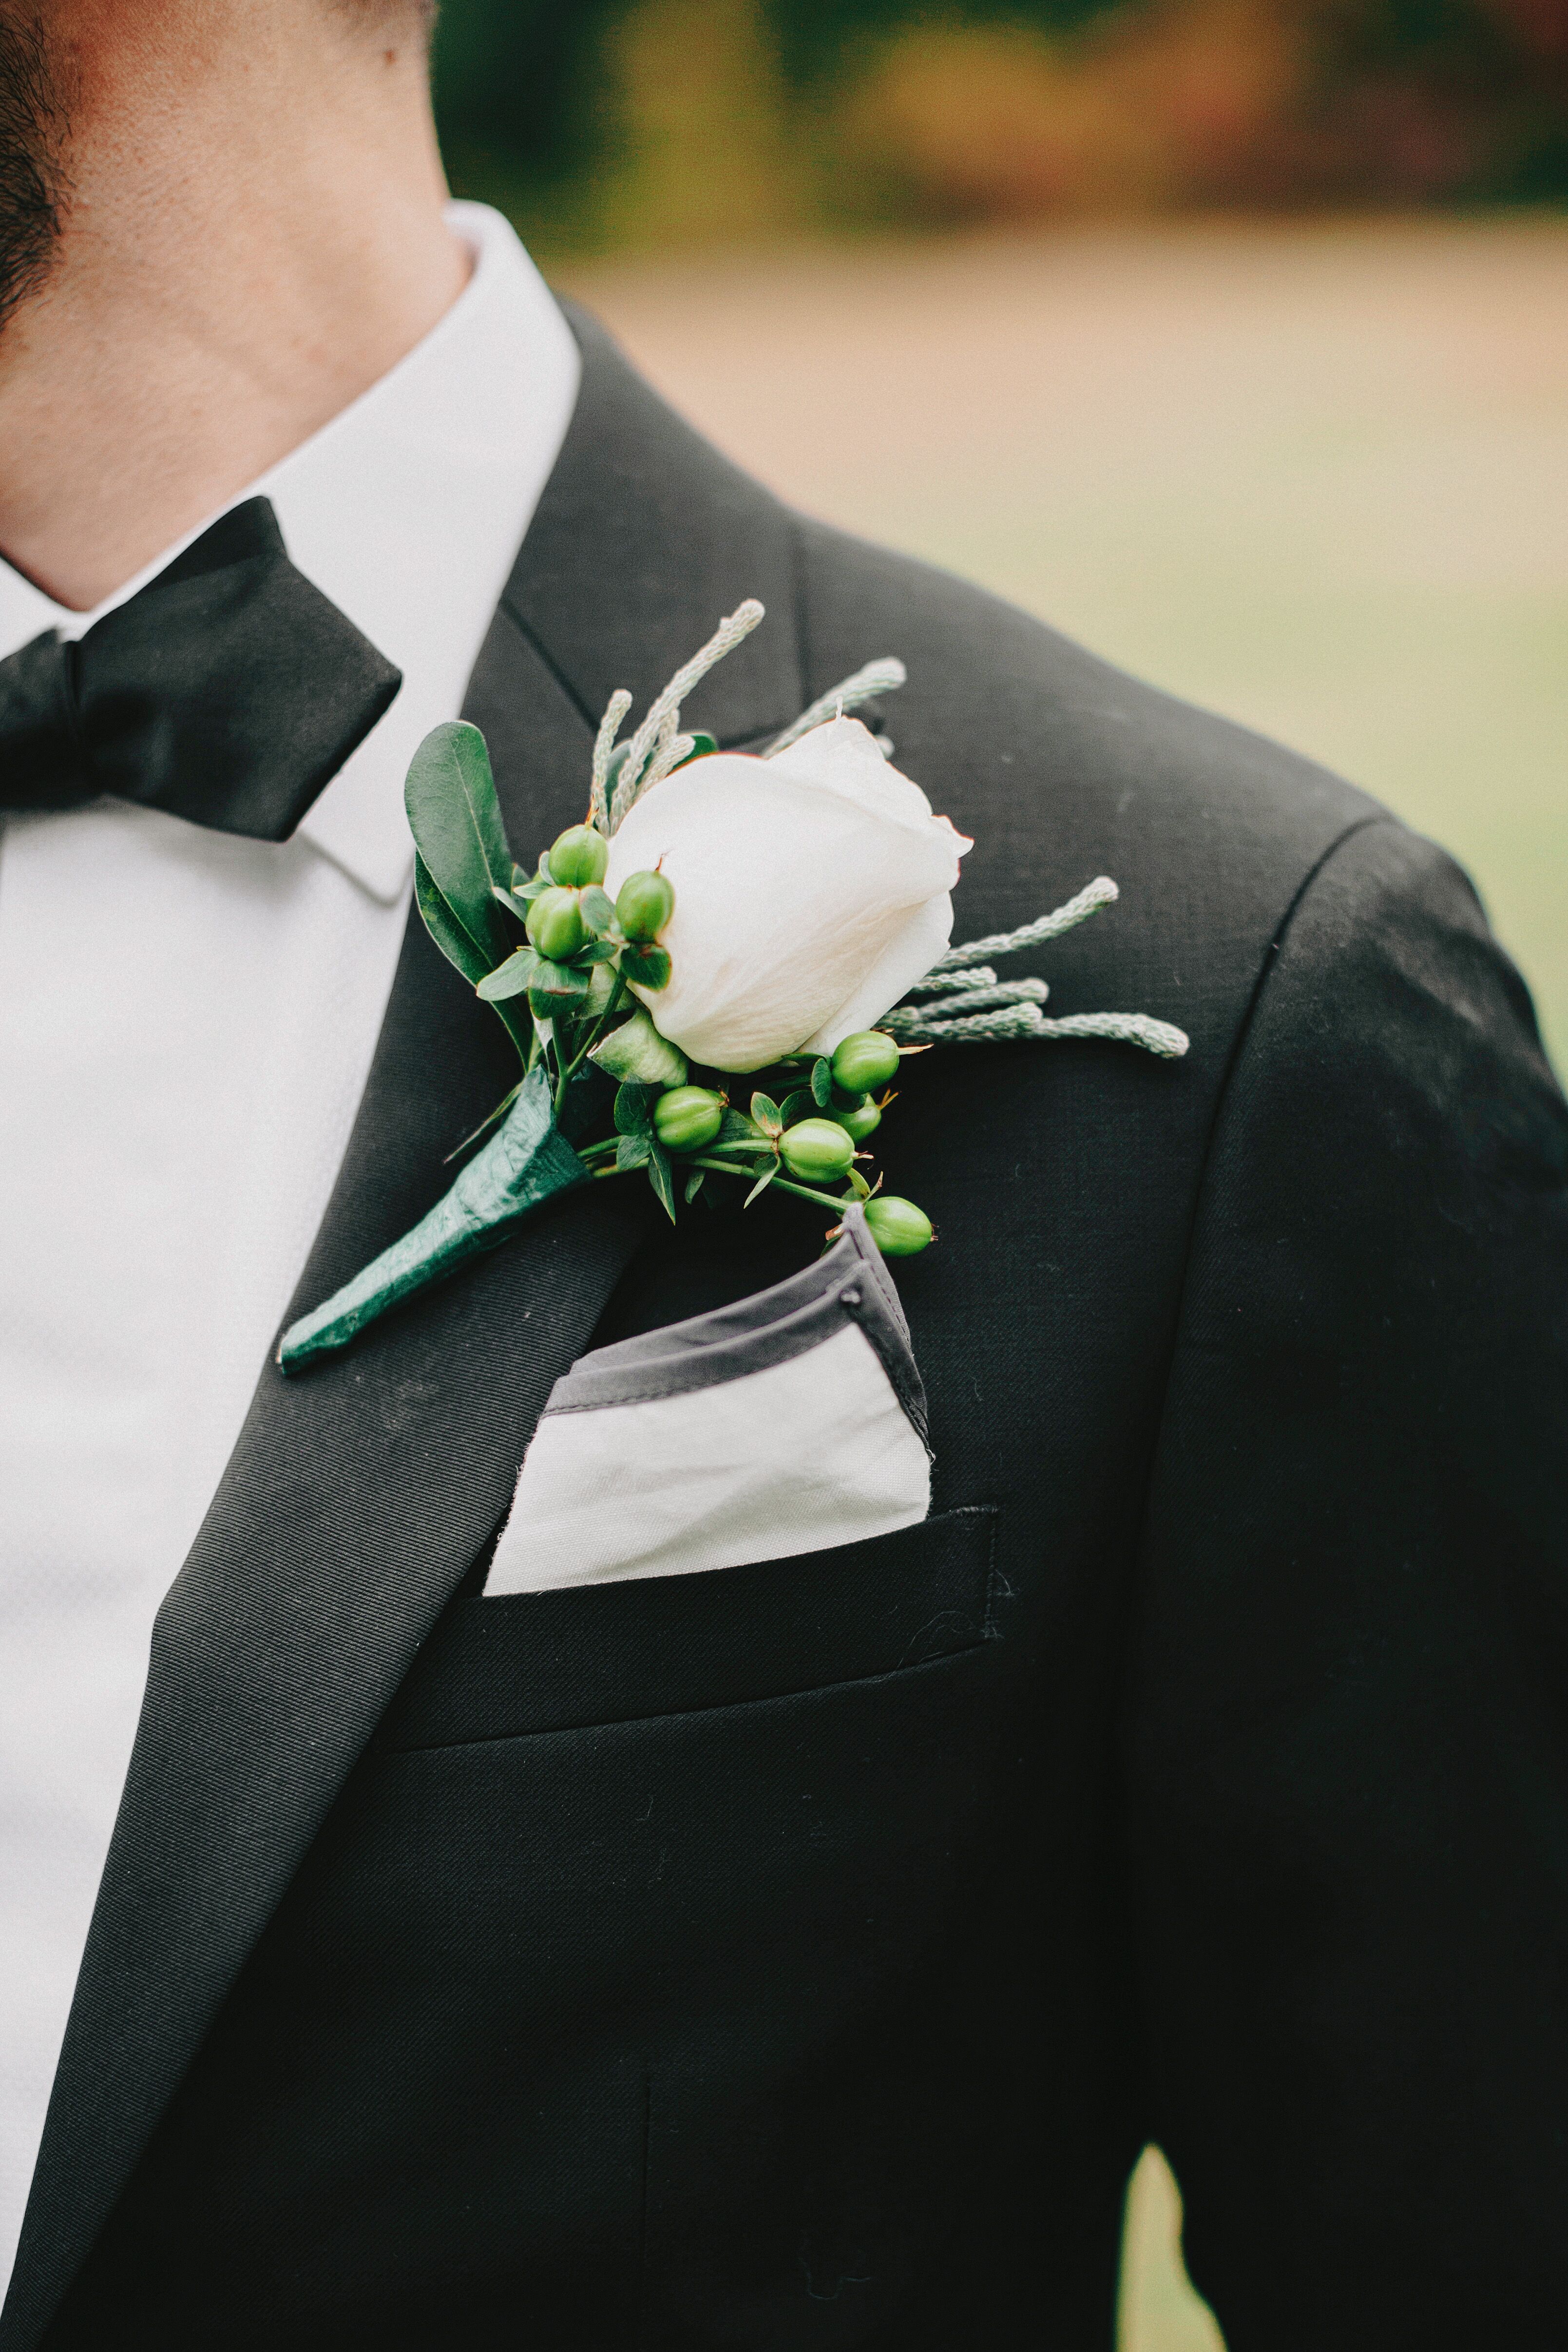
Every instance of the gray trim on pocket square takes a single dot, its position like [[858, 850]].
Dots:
[[848, 1284]]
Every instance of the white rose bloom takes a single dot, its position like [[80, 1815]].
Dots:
[[811, 891]]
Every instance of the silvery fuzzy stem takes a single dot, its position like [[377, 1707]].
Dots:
[[524, 1164], [669, 754], [1086, 902], [876, 677], [630, 787], [1023, 1021], [911, 1027], [1160, 1038], [949, 984], [919, 1023], [980, 1000], [730, 631], [616, 709]]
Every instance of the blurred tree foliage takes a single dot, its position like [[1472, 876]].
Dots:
[[518, 86], [600, 122], [815, 36]]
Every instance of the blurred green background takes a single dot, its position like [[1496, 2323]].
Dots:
[[894, 111], [1229, 337]]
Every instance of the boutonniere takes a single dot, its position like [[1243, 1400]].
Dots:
[[782, 918]]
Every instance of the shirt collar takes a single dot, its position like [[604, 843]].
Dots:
[[407, 510]]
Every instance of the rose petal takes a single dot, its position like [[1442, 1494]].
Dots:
[[793, 879], [905, 959]]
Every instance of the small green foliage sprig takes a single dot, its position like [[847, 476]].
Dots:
[[808, 1141], [583, 952]]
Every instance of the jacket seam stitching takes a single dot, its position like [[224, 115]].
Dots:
[[1133, 1600], [531, 638], [1239, 1047]]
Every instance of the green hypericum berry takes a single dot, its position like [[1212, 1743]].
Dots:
[[578, 857], [869, 1058], [556, 925], [898, 1227], [687, 1117], [646, 904], [816, 1149], [860, 1122]]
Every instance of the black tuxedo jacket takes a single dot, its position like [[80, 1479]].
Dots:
[[797, 1956]]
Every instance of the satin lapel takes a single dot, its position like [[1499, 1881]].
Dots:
[[357, 1494]]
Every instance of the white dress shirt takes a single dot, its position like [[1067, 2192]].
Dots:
[[186, 1020]]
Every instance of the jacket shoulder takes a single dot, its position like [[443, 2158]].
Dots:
[[1063, 767]]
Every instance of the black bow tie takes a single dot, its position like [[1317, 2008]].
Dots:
[[228, 690]]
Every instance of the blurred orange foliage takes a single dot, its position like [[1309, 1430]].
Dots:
[[1270, 103], [697, 121]]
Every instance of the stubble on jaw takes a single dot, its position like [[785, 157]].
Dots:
[[34, 181]]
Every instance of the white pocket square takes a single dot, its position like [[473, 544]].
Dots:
[[790, 1422]]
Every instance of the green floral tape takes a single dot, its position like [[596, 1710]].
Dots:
[[524, 1164]]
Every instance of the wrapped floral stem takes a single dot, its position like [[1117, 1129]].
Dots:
[[716, 916], [526, 1163]]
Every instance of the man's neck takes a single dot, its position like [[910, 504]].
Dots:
[[224, 285]]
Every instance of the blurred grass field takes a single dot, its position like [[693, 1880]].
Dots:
[[1313, 475]]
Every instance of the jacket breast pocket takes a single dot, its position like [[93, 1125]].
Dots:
[[788, 1422], [603, 1653]]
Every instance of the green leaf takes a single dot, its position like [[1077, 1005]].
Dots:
[[763, 1181], [510, 978], [445, 929], [635, 1050], [821, 1083], [800, 1105], [661, 1176], [602, 984], [597, 951], [634, 1109], [766, 1112], [861, 1190], [547, 1011], [737, 1128], [694, 1184], [598, 908], [522, 895], [557, 979], [525, 1163], [456, 820], [648, 967], [632, 1152]]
